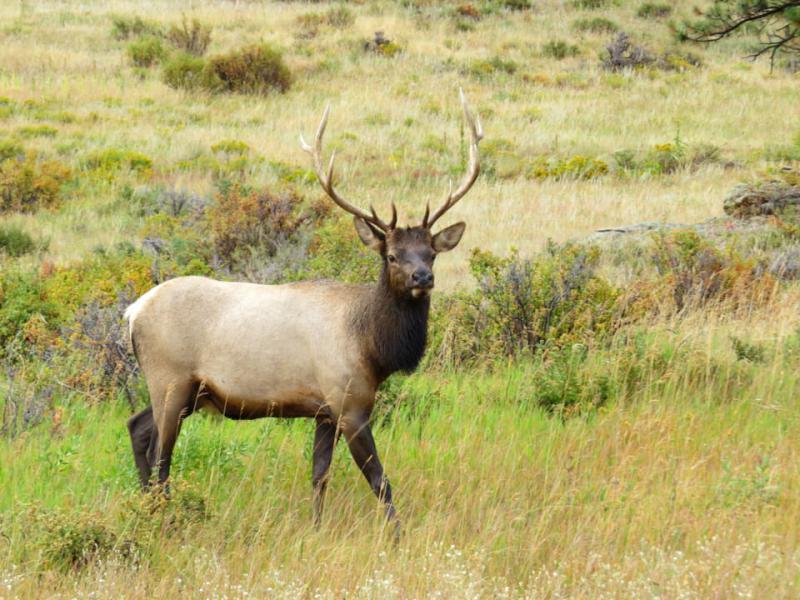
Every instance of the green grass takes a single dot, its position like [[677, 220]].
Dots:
[[694, 463]]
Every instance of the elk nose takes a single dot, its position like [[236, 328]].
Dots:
[[422, 278]]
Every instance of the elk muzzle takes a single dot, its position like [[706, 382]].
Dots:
[[421, 282]]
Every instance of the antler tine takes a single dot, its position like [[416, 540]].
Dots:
[[473, 169], [325, 177], [427, 214]]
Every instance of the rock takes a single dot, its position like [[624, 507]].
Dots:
[[748, 200]]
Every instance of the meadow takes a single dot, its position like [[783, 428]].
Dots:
[[611, 417]]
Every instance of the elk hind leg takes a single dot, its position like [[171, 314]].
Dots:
[[141, 428], [177, 404]]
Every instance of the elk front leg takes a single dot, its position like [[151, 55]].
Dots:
[[325, 439], [362, 447]]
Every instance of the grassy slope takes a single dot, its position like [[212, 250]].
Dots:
[[688, 489]]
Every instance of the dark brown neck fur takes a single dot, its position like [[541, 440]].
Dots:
[[393, 329]]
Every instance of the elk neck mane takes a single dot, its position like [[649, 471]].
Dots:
[[392, 330]]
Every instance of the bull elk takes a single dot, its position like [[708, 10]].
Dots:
[[308, 349]]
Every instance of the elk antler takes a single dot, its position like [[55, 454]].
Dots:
[[476, 135], [326, 180]]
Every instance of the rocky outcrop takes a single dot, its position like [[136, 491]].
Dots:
[[767, 198]]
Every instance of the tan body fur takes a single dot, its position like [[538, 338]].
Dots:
[[253, 350]]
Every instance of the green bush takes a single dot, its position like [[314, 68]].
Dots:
[[114, 159], [192, 38], [525, 305], [336, 252], [124, 28], [595, 25], [146, 52], [514, 4], [242, 220], [654, 10], [186, 72], [15, 241], [231, 147], [71, 542], [692, 272], [22, 299], [574, 167], [37, 131], [10, 149], [589, 4], [257, 69], [29, 184], [491, 67], [567, 387], [559, 49]]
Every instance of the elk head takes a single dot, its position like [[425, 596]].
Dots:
[[408, 253]]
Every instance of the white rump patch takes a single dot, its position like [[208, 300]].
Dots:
[[134, 309]]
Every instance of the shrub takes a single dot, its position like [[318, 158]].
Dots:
[[589, 4], [124, 28], [71, 542], [487, 68], [595, 25], [242, 220], [694, 272], [29, 184], [525, 305], [559, 49], [37, 131], [468, 11], [514, 4], [335, 252], [624, 55], [146, 52], [15, 241], [10, 149], [236, 147], [626, 160], [186, 72], [26, 404], [382, 46], [114, 159], [575, 167], [654, 10], [102, 334], [192, 38], [748, 351], [22, 298], [565, 386], [665, 158], [257, 69]]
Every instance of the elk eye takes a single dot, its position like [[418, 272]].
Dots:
[[391, 258]]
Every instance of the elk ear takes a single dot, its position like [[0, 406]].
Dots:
[[370, 236], [448, 238]]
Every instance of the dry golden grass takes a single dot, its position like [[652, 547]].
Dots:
[[569, 107]]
